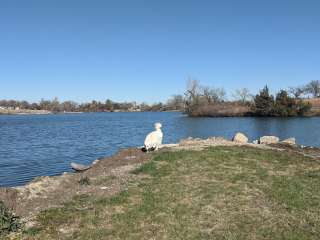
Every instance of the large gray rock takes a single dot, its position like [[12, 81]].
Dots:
[[269, 140], [240, 138], [290, 141]]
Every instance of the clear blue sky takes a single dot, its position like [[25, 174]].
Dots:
[[146, 50]]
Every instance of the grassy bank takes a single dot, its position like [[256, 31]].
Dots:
[[217, 193]]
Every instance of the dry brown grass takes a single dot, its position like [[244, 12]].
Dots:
[[226, 109], [314, 101], [315, 106]]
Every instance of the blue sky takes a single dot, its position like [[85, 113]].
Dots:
[[146, 50]]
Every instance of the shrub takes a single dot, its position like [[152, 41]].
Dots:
[[8, 221], [284, 106]]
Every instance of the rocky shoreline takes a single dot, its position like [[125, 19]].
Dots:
[[109, 176], [24, 112]]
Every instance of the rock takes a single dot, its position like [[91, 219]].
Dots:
[[95, 161], [240, 138], [290, 141], [269, 140], [79, 167]]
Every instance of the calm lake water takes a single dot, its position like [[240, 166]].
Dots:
[[36, 145]]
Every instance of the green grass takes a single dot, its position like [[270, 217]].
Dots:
[[218, 193]]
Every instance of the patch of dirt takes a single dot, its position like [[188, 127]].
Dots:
[[307, 151], [46, 192]]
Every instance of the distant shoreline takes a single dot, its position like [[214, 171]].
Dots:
[[44, 112]]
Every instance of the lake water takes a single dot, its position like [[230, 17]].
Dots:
[[36, 145]]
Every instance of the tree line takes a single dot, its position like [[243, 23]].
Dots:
[[197, 100], [56, 106]]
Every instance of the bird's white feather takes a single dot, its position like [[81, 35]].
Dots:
[[154, 139]]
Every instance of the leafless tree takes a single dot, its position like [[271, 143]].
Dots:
[[313, 88], [297, 92], [212, 94], [193, 90], [192, 95], [176, 102], [69, 106], [242, 94]]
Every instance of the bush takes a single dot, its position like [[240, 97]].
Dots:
[[303, 108], [285, 106], [282, 106], [8, 221]]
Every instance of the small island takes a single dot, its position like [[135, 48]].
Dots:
[[204, 101]]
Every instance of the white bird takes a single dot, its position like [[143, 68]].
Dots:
[[154, 139]]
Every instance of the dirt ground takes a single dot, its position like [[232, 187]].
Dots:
[[106, 177]]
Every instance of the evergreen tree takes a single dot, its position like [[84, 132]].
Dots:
[[263, 103]]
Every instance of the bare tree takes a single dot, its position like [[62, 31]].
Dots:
[[176, 102], [192, 95], [193, 89], [45, 104], [55, 105], [242, 94], [207, 94], [217, 94], [69, 106], [297, 92], [313, 88]]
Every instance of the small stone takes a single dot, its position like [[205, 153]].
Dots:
[[95, 161], [290, 141], [63, 230], [240, 138], [269, 140], [255, 142]]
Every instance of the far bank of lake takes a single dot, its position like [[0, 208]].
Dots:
[[37, 145]]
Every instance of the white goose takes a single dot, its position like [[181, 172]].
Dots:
[[154, 139]]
